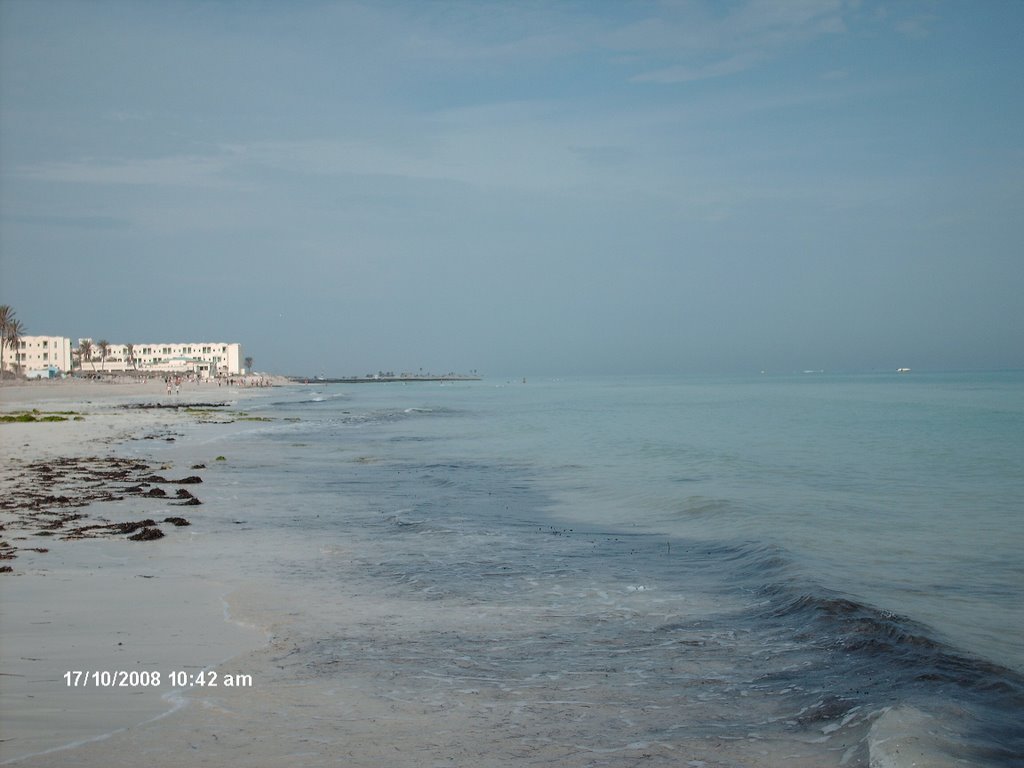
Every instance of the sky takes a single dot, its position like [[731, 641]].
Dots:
[[562, 187]]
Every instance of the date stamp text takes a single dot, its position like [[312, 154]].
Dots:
[[135, 678]]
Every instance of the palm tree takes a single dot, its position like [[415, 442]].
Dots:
[[104, 346], [6, 316], [129, 354], [85, 352], [15, 330], [248, 364]]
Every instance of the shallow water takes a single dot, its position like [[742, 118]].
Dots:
[[776, 565]]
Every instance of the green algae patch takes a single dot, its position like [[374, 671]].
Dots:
[[35, 415], [10, 418]]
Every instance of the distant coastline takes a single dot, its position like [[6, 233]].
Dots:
[[377, 379]]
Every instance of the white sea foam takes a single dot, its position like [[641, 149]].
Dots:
[[906, 737]]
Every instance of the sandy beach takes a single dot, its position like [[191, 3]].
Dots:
[[78, 593]]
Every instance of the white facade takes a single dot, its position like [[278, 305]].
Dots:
[[205, 359], [38, 353]]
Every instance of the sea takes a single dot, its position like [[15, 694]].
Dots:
[[753, 566]]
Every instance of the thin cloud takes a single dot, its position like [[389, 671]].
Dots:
[[180, 171], [127, 116], [684, 73], [917, 27], [697, 46]]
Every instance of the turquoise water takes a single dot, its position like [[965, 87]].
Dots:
[[821, 548], [906, 492]]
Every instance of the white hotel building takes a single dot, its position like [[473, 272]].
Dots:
[[38, 355], [49, 356], [205, 359]]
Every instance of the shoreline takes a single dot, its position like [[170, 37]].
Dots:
[[80, 596], [350, 675], [21, 390], [347, 672]]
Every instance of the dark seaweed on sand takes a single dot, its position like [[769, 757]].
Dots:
[[46, 491]]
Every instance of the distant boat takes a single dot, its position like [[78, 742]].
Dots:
[[902, 370]]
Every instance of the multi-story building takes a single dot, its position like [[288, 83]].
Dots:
[[38, 355], [205, 359]]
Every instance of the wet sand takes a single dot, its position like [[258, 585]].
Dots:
[[78, 594]]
